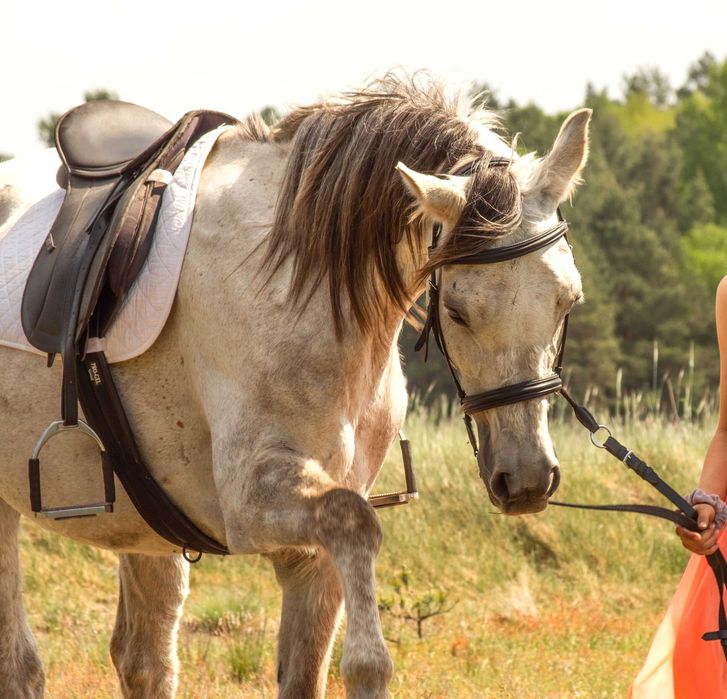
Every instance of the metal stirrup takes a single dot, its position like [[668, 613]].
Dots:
[[68, 512], [411, 492]]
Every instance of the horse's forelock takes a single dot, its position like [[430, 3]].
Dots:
[[493, 208], [342, 207]]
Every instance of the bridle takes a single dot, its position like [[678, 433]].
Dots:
[[685, 516], [510, 393]]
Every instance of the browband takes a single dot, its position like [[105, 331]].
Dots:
[[510, 252], [466, 169]]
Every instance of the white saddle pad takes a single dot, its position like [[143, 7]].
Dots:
[[147, 305]]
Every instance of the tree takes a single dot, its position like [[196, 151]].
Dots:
[[485, 96], [650, 82], [701, 131], [698, 75], [47, 124], [705, 248], [269, 115]]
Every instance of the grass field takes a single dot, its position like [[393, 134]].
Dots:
[[559, 604]]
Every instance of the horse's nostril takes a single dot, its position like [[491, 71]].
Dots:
[[554, 480], [499, 486]]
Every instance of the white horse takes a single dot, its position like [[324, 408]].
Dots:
[[267, 405]]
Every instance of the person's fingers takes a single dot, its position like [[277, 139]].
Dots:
[[709, 538], [687, 534], [705, 515], [701, 543]]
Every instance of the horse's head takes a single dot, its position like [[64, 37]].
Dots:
[[502, 322]]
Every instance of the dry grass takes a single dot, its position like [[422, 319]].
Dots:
[[560, 604]]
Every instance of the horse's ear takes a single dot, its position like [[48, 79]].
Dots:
[[559, 172], [441, 199]]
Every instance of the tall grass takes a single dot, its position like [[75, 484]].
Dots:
[[559, 604]]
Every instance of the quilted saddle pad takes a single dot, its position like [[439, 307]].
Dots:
[[149, 301]]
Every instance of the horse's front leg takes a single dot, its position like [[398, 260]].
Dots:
[[347, 527], [288, 501], [152, 590], [21, 672], [312, 599]]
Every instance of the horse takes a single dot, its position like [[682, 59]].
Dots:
[[268, 403]]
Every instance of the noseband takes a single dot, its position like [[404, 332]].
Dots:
[[511, 393]]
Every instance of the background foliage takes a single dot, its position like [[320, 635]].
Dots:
[[649, 230]]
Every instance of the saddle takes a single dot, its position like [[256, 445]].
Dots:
[[117, 159]]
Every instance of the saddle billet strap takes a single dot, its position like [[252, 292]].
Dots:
[[106, 415]]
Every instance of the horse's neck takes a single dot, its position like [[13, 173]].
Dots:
[[253, 321]]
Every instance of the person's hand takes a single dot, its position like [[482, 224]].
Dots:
[[703, 542]]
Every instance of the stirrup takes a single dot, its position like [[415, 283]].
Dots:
[[74, 510], [404, 496]]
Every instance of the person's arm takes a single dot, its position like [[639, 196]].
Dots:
[[714, 471]]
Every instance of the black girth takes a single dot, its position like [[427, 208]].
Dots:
[[532, 389]]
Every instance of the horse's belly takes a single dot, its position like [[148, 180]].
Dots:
[[70, 465]]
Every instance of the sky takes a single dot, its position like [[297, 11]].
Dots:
[[241, 56]]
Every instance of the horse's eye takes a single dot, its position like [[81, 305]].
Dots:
[[454, 314]]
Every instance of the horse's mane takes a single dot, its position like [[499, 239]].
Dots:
[[342, 206]]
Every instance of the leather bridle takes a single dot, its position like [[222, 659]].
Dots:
[[685, 516], [510, 393]]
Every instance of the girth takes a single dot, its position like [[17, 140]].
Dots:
[[117, 159]]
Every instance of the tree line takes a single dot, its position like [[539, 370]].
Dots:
[[649, 230]]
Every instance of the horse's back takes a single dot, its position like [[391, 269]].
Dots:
[[23, 181]]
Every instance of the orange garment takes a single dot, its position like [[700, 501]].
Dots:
[[680, 665]]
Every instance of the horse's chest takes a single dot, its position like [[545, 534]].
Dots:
[[379, 425]]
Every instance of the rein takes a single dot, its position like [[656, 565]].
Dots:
[[685, 516], [532, 389]]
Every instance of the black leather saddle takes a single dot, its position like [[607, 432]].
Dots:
[[117, 159], [103, 147]]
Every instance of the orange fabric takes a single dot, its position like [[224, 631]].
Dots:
[[680, 665]]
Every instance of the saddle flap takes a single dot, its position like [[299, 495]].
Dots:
[[56, 278]]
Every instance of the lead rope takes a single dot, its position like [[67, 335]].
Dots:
[[686, 516]]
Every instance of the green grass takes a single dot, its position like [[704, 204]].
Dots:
[[559, 604]]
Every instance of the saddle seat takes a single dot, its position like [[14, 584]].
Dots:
[[100, 138]]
